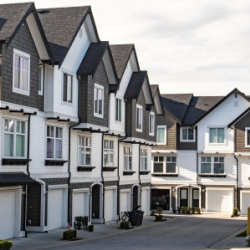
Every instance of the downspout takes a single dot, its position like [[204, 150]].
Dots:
[[69, 150], [139, 167], [237, 180], [103, 188]]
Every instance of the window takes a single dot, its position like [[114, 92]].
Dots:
[[118, 110], [127, 158], [144, 159], [98, 97], [212, 165], [67, 88], [247, 137], [151, 124], [40, 80], [187, 135], [54, 142], [14, 138], [21, 72], [84, 150], [216, 135], [108, 154], [138, 118], [168, 161], [161, 135]]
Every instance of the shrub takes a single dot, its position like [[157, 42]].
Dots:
[[235, 212], [91, 228], [124, 225], [197, 210], [69, 234], [158, 217], [153, 212], [5, 245], [159, 210]]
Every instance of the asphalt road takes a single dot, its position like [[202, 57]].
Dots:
[[194, 232]]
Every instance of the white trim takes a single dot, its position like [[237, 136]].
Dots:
[[128, 190], [41, 67], [80, 190], [153, 114], [98, 86], [140, 108], [246, 145], [117, 121], [27, 56], [66, 72], [217, 143], [88, 136], [165, 135], [212, 164], [110, 188], [181, 134], [241, 198], [51, 187]]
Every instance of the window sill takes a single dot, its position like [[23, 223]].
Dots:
[[21, 92], [139, 130], [128, 172], [165, 175], [98, 116], [213, 175], [54, 162], [144, 172], [85, 168], [15, 161], [108, 169], [186, 141]]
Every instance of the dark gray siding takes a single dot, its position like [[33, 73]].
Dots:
[[22, 41], [87, 97], [185, 145]]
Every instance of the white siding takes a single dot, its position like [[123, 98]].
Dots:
[[244, 172], [49, 89]]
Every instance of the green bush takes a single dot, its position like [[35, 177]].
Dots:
[[91, 228], [159, 210], [5, 245], [69, 234], [158, 217], [124, 225], [197, 210], [235, 212], [153, 212]]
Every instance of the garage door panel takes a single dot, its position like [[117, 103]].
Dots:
[[7, 214], [124, 202], [245, 202], [79, 204], [109, 205]]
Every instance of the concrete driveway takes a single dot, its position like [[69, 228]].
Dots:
[[183, 232]]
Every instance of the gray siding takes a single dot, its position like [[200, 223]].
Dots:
[[185, 145], [23, 42]]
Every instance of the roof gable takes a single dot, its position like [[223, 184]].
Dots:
[[237, 119], [157, 99]]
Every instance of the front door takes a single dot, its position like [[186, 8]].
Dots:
[[195, 195], [183, 197]]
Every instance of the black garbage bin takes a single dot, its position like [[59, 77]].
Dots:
[[136, 216]]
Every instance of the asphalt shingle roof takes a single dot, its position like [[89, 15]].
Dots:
[[121, 54], [135, 84], [10, 17], [92, 58], [61, 26]]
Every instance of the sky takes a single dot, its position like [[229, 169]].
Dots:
[[187, 46]]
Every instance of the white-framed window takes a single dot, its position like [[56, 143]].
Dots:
[[127, 158], [118, 109], [216, 135], [187, 134], [247, 137], [108, 153], [151, 123], [21, 72], [14, 138], [138, 118], [212, 165], [144, 159], [54, 142], [98, 100], [162, 135], [67, 88], [40, 80], [84, 150], [168, 161]]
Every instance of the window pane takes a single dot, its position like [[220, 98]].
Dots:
[[51, 131], [205, 168], [50, 148], [105, 157], [130, 163], [218, 168], [17, 72], [96, 100], [58, 149], [170, 167], [69, 87], [11, 125], [88, 157], [100, 96], [184, 134], [212, 134], [20, 146], [158, 167], [120, 110], [23, 127], [160, 135], [161, 158], [40, 73], [125, 163], [220, 135], [105, 144], [8, 144], [65, 79], [80, 156], [24, 64], [190, 134], [17, 126], [111, 158]]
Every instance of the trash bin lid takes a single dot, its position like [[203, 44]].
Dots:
[[136, 208]]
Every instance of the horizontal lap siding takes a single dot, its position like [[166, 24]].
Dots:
[[244, 171]]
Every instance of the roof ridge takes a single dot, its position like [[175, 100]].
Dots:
[[69, 7]]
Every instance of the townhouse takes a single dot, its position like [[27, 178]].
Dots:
[[78, 118], [200, 159]]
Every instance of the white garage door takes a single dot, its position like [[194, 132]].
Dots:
[[109, 205], [80, 204], [245, 202], [220, 201], [125, 202], [145, 202], [7, 214], [55, 208]]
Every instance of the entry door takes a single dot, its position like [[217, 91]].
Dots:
[[195, 196], [183, 197]]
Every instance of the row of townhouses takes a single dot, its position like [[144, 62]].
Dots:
[[83, 133]]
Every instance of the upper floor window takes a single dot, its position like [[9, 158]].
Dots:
[[138, 118], [212, 165], [216, 135], [151, 123], [144, 159], [161, 135], [40, 80], [118, 110], [67, 88], [108, 153], [84, 150], [14, 138], [99, 99], [127, 158], [187, 135], [21, 72], [171, 164], [168, 161], [54, 142], [247, 137]]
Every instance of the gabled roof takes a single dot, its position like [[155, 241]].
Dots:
[[239, 117], [154, 88], [61, 26], [156, 91]]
